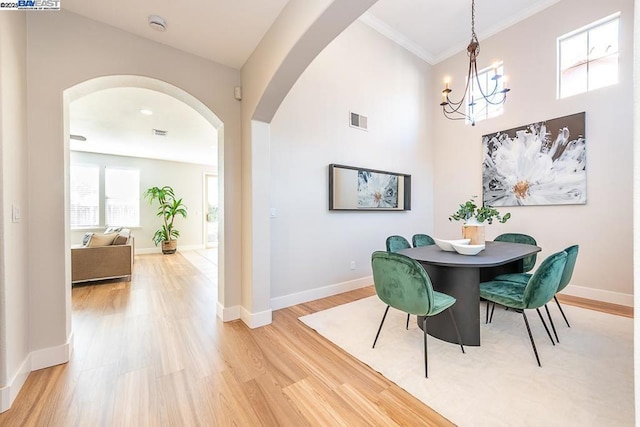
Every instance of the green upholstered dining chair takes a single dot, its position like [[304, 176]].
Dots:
[[396, 243], [529, 262], [523, 278], [541, 287], [422, 240], [402, 283]]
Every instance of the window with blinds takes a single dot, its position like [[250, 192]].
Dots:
[[122, 197], [85, 196]]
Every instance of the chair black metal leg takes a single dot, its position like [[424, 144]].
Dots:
[[455, 326], [552, 325], [545, 326], [408, 316], [424, 331], [383, 317], [487, 316], [493, 307], [560, 307], [533, 344]]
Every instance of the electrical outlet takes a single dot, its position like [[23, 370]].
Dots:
[[353, 265]]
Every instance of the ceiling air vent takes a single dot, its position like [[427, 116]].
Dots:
[[357, 121], [158, 132]]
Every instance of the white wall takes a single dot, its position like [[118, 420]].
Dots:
[[185, 178], [64, 50], [14, 289], [602, 227], [362, 71]]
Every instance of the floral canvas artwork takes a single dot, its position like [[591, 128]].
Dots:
[[377, 190], [541, 163]]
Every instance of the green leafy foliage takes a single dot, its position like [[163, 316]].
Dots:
[[168, 208], [469, 209]]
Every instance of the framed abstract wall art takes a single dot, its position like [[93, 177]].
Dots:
[[542, 163], [361, 189]]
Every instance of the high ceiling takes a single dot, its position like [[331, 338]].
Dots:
[[227, 32]]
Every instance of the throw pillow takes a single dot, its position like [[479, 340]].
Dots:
[[110, 230], [120, 239], [101, 240], [86, 238]]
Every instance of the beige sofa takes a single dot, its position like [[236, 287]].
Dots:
[[101, 260]]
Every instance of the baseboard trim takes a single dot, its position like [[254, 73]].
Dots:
[[317, 293], [9, 393], [158, 250], [605, 307], [52, 356], [35, 360], [227, 314], [599, 295], [256, 320]]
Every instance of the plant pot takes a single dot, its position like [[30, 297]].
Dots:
[[169, 247], [474, 230]]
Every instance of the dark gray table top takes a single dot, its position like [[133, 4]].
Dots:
[[494, 254]]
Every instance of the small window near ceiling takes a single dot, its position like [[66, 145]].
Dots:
[[84, 195], [588, 57], [491, 81], [122, 197]]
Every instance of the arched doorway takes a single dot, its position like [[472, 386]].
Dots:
[[99, 84]]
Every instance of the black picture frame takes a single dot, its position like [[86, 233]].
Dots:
[[346, 193]]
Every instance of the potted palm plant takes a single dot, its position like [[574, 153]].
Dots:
[[169, 207]]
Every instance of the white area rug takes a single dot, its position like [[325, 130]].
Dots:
[[586, 380]]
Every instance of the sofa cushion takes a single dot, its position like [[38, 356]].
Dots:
[[101, 240]]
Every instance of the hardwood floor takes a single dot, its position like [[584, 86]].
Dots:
[[152, 352]]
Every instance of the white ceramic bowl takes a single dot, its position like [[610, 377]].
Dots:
[[445, 245], [467, 249]]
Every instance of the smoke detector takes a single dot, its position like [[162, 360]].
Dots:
[[157, 23]]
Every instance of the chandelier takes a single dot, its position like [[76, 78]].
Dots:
[[457, 110]]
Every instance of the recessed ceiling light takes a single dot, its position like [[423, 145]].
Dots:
[[157, 23], [146, 112]]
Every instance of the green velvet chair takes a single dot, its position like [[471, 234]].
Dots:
[[422, 240], [402, 283], [529, 262], [396, 243], [541, 287], [523, 278]]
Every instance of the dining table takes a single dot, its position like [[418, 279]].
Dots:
[[460, 276]]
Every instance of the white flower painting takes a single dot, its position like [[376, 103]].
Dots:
[[377, 190], [542, 163]]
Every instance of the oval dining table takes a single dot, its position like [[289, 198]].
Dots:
[[460, 276]]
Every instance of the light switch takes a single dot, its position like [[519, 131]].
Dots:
[[273, 212], [15, 213]]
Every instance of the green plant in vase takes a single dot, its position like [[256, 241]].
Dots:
[[474, 218], [169, 207]]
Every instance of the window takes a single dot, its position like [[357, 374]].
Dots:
[[478, 108], [92, 187], [85, 196], [588, 57], [122, 197]]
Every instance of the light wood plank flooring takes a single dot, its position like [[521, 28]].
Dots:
[[152, 352]]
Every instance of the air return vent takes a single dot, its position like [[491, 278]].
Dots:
[[357, 121], [158, 132]]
